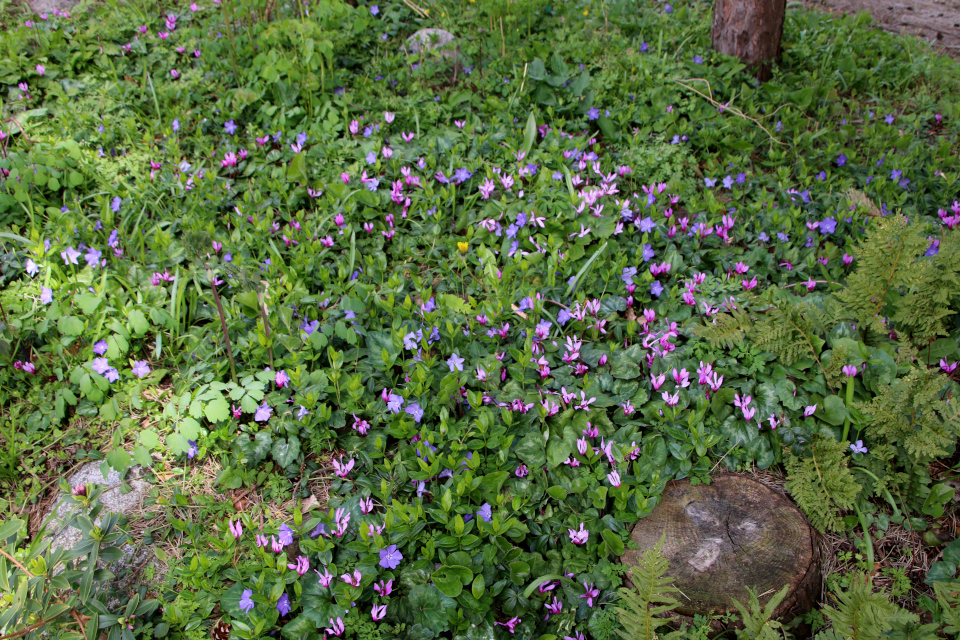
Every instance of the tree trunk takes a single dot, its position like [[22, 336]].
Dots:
[[729, 535], [750, 30]]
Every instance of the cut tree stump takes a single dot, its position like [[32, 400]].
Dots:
[[750, 30], [729, 535]]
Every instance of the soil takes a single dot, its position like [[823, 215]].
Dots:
[[936, 21]]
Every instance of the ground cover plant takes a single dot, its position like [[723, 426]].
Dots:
[[497, 296]]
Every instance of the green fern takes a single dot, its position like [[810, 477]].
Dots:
[[863, 614], [911, 412], [727, 329], [783, 324], [757, 621], [651, 597], [822, 483], [932, 285], [948, 597], [884, 259], [894, 278]]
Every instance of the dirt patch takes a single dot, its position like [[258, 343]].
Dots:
[[936, 21]]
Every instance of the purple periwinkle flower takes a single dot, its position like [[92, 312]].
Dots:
[[390, 557]]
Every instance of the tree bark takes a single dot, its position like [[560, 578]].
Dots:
[[729, 535], [750, 30]]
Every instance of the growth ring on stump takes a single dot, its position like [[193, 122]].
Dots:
[[729, 535]]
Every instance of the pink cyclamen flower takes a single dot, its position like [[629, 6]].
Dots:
[[325, 577], [521, 471], [388, 116], [343, 469], [41, 69], [590, 593], [345, 177], [282, 378], [657, 381], [614, 478], [509, 624], [335, 628], [553, 608], [236, 529], [946, 367], [261, 540], [383, 589], [366, 505], [849, 370], [671, 400], [847, 259], [378, 612], [302, 565], [229, 159], [748, 413], [809, 410], [174, 74], [750, 284], [352, 580], [579, 537]]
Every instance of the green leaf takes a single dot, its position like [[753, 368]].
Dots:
[[70, 326], [142, 455], [189, 428], [230, 601], [940, 494], [530, 450], [941, 572], [557, 492], [457, 304], [298, 628], [10, 527], [87, 302], [529, 133], [478, 587], [297, 170], [939, 349], [609, 130], [119, 460], [217, 410], [558, 450], [425, 605], [834, 411], [138, 322], [448, 582], [614, 543], [286, 451]]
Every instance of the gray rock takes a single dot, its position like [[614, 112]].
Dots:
[[47, 6], [136, 556], [430, 39]]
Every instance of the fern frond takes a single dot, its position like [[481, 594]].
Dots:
[[885, 260], [822, 483], [651, 597], [911, 413], [948, 597], [727, 329], [863, 614], [757, 621]]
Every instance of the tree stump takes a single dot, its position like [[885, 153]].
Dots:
[[750, 30], [729, 535]]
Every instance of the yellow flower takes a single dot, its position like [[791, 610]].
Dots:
[[463, 246], [586, 11]]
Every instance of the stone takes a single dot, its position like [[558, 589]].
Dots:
[[47, 6], [732, 534], [135, 556], [430, 39]]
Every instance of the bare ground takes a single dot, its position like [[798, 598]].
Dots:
[[936, 21]]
